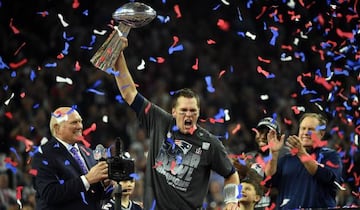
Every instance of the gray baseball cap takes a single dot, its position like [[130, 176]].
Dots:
[[269, 123]]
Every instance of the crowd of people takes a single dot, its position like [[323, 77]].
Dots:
[[29, 93]]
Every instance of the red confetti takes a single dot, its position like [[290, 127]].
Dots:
[[286, 47], [18, 64], [60, 56], [8, 160], [223, 25], [33, 172], [222, 72], [262, 71], [323, 82], [22, 95], [176, 40], [84, 141], [295, 110], [18, 50], [13, 28], [172, 167], [90, 129], [86, 152], [263, 60], [177, 11], [157, 164], [342, 34], [265, 180], [77, 66], [210, 41], [196, 65], [28, 143], [147, 108], [263, 9], [18, 192], [236, 129], [294, 151], [8, 115], [330, 164], [264, 148], [75, 4], [160, 59], [287, 121]]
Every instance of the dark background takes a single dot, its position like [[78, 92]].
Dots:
[[232, 63]]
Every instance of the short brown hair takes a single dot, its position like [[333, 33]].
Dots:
[[187, 93]]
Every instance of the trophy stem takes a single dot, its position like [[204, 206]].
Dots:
[[109, 51]]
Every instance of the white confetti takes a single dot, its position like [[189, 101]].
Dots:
[[65, 24], [105, 119], [103, 32], [227, 116], [142, 65], [250, 35], [225, 2], [66, 80], [264, 97], [8, 101]]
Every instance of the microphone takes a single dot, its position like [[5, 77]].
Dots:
[[99, 153]]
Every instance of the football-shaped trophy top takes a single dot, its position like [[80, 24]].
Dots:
[[134, 14]]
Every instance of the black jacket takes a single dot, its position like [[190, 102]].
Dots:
[[57, 179]]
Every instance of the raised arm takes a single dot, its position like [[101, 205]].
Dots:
[[124, 79], [274, 145]]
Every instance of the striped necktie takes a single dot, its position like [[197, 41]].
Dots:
[[78, 159]]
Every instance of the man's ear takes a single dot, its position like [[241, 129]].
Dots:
[[173, 111], [257, 198], [56, 128]]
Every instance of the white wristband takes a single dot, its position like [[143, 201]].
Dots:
[[231, 193]]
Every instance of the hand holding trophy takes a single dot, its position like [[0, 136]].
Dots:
[[130, 15]]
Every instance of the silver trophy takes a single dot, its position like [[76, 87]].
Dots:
[[130, 15]]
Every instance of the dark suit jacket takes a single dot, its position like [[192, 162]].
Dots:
[[58, 184]]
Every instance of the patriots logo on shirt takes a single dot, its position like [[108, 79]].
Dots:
[[181, 147]]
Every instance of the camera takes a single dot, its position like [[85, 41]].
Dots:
[[120, 167]]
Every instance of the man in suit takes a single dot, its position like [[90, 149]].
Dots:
[[60, 181]]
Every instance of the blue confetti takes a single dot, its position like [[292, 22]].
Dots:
[[35, 106], [163, 19], [95, 91], [152, 59], [178, 159], [176, 48], [51, 65], [45, 162], [153, 205], [274, 37], [112, 72], [216, 7], [61, 181], [13, 74], [83, 198], [86, 12], [239, 190], [2, 64], [11, 167], [67, 38], [209, 87], [135, 176], [119, 98], [66, 48], [67, 162], [32, 75]]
